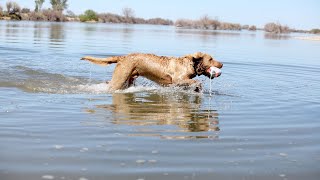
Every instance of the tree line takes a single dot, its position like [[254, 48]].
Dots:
[[13, 11]]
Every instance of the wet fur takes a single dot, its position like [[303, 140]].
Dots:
[[163, 70]]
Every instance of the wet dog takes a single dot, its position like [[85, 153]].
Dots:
[[163, 70]]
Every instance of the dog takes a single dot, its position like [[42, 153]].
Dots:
[[163, 70]]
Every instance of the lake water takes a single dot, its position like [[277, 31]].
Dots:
[[58, 122]]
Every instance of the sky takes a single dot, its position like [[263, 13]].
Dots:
[[298, 14]]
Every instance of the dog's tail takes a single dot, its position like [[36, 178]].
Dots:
[[103, 61]]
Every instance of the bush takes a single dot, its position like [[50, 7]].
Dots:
[[315, 31], [89, 15], [53, 15], [159, 21], [206, 22], [246, 27], [184, 23], [36, 16], [229, 26], [25, 10], [252, 28], [276, 28], [110, 18]]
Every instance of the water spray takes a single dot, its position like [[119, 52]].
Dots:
[[214, 72]]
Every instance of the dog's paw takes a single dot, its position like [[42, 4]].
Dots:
[[198, 88]]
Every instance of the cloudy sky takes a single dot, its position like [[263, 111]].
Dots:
[[299, 14]]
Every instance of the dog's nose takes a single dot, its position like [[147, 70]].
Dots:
[[221, 65]]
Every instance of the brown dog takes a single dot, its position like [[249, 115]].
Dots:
[[160, 69]]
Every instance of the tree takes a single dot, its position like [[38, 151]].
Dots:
[[16, 8], [128, 14], [252, 28], [13, 7], [25, 10], [9, 5], [205, 22], [71, 14], [39, 4], [1, 10], [59, 5], [89, 15], [276, 28], [315, 31]]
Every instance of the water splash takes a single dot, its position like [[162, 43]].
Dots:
[[210, 82], [40, 81]]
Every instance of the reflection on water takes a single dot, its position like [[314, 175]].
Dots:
[[276, 36], [206, 32], [57, 35], [11, 32], [37, 33], [148, 110], [127, 33]]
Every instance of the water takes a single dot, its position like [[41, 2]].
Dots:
[[58, 122]]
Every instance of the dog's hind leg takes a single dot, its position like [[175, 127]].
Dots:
[[122, 73], [132, 78]]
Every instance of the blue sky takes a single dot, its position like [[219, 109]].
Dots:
[[300, 14]]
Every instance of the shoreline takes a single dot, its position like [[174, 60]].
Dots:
[[312, 38], [316, 37]]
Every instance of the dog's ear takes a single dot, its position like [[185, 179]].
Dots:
[[196, 57]]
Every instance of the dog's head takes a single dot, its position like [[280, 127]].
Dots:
[[205, 64]]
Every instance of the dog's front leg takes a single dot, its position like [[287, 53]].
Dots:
[[190, 83]]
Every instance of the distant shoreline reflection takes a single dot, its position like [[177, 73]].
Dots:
[[180, 115]]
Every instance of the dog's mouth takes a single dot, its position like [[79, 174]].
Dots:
[[213, 72]]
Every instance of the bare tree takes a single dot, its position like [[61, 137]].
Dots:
[[276, 28], [252, 28], [71, 14], [204, 22], [16, 8], [1, 10], [9, 6], [13, 7], [128, 14]]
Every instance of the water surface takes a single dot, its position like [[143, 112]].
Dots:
[[58, 122]]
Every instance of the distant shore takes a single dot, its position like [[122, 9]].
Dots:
[[311, 38], [59, 13]]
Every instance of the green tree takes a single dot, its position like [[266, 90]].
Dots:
[[39, 4], [59, 5], [89, 15]]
